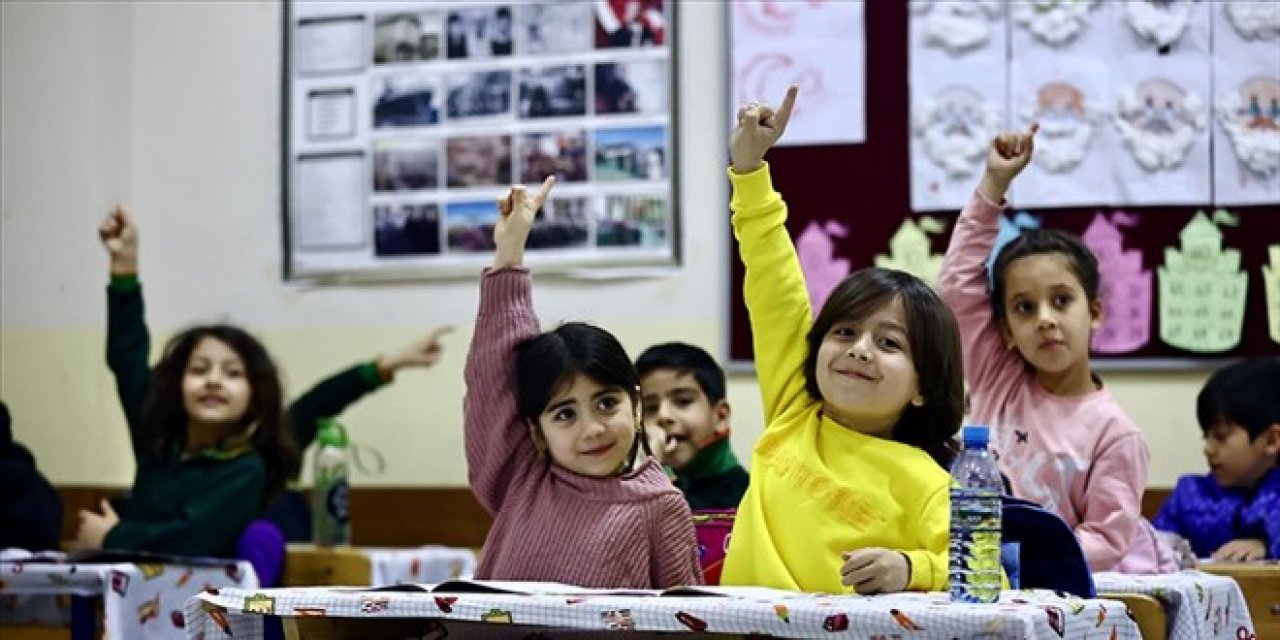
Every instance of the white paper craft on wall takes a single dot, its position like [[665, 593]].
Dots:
[[821, 47], [1161, 118], [959, 27], [957, 106], [1253, 19], [406, 121], [1203, 289], [1163, 23], [910, 249], [1069, 96], [1246, 152], [1057, 22], [1125, 288]]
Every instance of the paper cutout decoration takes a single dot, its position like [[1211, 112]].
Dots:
[[1009, 229], [1068, 122], [1251, 118], [1202, 288], [1254, 18], [957, 26], [955, 126], [1159, 22], [1054, 22], [1271, 277], [909, 249], [1158, 121], [1125, 288], [816, 248]]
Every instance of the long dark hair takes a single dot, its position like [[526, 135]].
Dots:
[[1032, 242], [934, 340], [548, 363], [163, 423]]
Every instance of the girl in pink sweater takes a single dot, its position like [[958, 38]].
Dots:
[[1061, 438], [552, 422]]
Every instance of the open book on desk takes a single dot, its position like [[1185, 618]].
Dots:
[[499, 587]]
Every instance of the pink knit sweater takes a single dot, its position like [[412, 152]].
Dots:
[[632, 531]]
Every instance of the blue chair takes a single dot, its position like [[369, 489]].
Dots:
[[1050, 556]]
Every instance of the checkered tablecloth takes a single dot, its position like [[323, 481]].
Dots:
[[236, 613], [139, 601], [1201, 606]]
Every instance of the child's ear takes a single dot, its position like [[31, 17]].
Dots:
[[1271, 442], [1007, 334], [1095, 312], [722, 412], [539, 440]]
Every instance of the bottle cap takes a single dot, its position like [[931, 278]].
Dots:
[[331, 433], [976, 436]]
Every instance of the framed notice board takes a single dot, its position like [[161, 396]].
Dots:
[[865, 189]]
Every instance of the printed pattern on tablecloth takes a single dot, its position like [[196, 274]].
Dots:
[[140, 601], [1019, 614], [429, 564], [1201, 606]]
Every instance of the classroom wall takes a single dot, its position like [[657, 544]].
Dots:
[[174, 108]]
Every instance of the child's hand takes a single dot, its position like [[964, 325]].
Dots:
[[120, 237], [423, 352], [1006, 158], [94, 527], [1243, 550], [875, 570], [515, 219], [758, 128], [659, 444]]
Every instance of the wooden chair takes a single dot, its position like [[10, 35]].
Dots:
[[1261, 586], [26, 632], [1149, 613], [307, 565]]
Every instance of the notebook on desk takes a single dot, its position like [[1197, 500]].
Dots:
[[561, 589]]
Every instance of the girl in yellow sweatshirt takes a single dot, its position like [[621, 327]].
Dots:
[[848, 482]]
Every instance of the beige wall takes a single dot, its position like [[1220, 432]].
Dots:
[[174, 108]]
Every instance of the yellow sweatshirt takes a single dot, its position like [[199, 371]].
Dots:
[[817, 488]]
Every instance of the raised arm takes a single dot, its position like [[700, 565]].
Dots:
[[498, 444], [963, 280], [331, 396], [774, 288], [128, 341]]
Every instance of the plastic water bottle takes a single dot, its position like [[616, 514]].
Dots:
[[330, 516], [974, 556]]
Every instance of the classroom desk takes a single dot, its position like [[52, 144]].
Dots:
[[328, 613], [1199, 606], [308, 565], [1260, 582], [138, 601]]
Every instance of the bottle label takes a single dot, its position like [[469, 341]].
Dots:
[[337, 502], [975, 571]]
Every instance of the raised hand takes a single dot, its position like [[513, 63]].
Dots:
[[94, 527], [120, 237], [423, 352], [515, 219], [1007, 156], [759, 127]]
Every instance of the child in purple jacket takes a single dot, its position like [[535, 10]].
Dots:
[[1233, 514]]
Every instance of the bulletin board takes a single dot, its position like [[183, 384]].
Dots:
[[403, 122], [865, 188]]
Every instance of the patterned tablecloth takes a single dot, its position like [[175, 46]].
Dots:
[[390, 566], [139, 601], [236, 613], [1201, 606]]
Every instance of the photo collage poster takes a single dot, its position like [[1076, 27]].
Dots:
[[1140, 103], [407, 121]]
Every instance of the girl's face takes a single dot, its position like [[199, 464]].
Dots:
[[215, 385], [865, 372], [1049, 319], [588, 428]]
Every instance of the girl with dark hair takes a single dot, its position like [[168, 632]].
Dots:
[[208, 430], [1062, 439], [848, 483], [553, 442]]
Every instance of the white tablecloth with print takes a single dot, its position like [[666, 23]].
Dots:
[[417, 565], [236, 613], [139, 601], [1201, 606]]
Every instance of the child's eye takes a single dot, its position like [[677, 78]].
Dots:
[[649, 408], [890, 344], [844, 332], [1062, 300], [235, 373], [1022, 307], [564, 414], [608, 403]]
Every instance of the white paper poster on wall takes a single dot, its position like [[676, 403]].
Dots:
[[1064, 25], [821, 47], [1246, 115], [1070, 97], [1165, 26], [958, 103], [1161, 114], [958, 27]]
